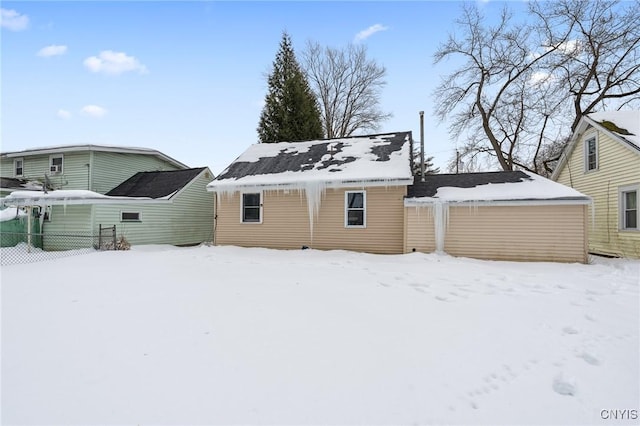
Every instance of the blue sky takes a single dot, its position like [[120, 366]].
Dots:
[[189, 78]]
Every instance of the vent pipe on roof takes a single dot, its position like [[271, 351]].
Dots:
[[421, 145]]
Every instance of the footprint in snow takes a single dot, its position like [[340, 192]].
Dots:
[[569, 330], [589, 358], [442, 298], [564, 385]]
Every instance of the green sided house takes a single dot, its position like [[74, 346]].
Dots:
[[359, 193], [96, 168], [148, 196], [602, 160]]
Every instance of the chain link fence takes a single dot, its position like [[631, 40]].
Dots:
[[21, 247]]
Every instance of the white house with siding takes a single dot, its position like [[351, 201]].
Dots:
[[602, 160]]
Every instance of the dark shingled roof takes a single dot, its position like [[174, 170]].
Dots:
[[431, 183], [155, 184], [289, 160], [12, 184]]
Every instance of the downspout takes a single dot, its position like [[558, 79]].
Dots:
[[90, 171], [421, 146]]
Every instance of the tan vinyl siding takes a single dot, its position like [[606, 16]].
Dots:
[[618, 166], [521, 233], [420, 231], [285, 222], [110, 169]]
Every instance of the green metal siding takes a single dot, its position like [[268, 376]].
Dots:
[[110, 169], [193, 212], [95, 170], [67, 220], [74, 169], [185, 219]]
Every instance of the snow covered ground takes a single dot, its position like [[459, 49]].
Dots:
[[225, 335]]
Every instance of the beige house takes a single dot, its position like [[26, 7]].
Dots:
[[602, 160], [358, 193]]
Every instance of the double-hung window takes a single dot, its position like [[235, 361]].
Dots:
[[591, 154], [55, 164], [18, 167], [629, 212], [251, 208], [355, 209]]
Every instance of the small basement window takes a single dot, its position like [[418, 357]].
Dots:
[[355, 206], [251, 208], [130, 217], [18, 167], [591, 154]]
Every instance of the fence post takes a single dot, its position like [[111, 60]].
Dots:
[[100, 237], [114, 237], [29, 219]]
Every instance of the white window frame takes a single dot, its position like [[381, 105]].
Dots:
[[15, 167], [364, 209], [622, 207], [592, 137], [260, 205], [51, 158], [123, 212]]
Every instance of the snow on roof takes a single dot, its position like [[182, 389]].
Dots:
[[64, 197], [625, 124], [11, 213], [492, 186], [18, 184], [382, 158]]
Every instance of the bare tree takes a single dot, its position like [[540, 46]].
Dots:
[[490, 95], [598, 63], [523, 86], [348, 86]]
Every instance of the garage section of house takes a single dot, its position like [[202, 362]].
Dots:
[[512, 215]]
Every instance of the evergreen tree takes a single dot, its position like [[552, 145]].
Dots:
[[291, 111]]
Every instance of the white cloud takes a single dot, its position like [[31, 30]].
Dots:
[[569, 47], [364, 34], [63, 114], [94, 111], [540, 77], [53, 50], [114, 63], [12, 20]]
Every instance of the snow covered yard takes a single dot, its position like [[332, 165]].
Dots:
[[225, 335]]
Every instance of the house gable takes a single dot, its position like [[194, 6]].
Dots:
[[618, 158]]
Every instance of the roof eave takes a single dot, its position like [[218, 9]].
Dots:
[[428, 201], [90, 147], [341, 183]]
